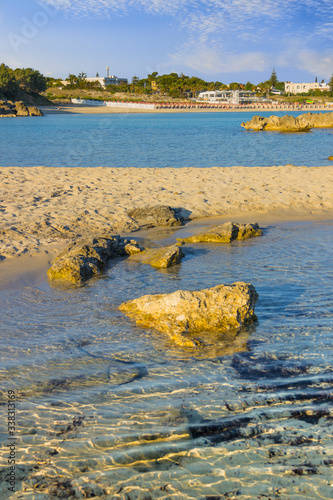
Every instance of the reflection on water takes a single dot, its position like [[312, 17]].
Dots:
[[106, 408]]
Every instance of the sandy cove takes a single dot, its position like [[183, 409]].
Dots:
[[43, 208], [78, 108]]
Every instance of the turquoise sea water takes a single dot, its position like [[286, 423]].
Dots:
[[155, 140], [109, 408]]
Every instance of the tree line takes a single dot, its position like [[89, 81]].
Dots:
[[27, 79], [174, 85]]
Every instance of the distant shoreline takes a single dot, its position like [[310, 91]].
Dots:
[[81, 109]]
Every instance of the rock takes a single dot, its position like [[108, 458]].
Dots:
[[85, 259], [7, 108], [330, 158], [132, 248], [160, 257], [21, 109], [223, 308], [318, 120], [33, 111], [225, 233], [287, 123], [10, 109], [159, 215]]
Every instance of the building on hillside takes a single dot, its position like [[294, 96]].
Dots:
[[228, 96], [153, 85], [108, 80], [303, 88]]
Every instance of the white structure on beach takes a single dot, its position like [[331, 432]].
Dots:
[[300, 88], [112, 104], [228, 96]]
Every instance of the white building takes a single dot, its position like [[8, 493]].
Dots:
[[300, 88], [229, 96], [108, 80]]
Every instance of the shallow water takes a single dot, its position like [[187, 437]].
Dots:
[[108, 408], [156, 140]]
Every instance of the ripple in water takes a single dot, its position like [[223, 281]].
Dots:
[[108, 409]]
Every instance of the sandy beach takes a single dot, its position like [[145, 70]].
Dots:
[[81, 109], [44, 208]]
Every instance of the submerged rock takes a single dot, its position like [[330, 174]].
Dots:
[[159, 215], [225, 233], [287, 123], [85, 259], [160, 257], [223, 308]]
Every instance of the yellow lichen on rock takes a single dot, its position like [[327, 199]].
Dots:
[[288, 123], [160, 258], [225, 233], [84, 259], [223, 308]]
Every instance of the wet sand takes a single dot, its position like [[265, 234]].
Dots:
[[44, 208]]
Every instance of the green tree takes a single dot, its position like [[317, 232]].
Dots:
[[234, 86], [72, 79], [81, 76], [8, 83], [30, 80], [135, 84], [249, 86], [273, 79]]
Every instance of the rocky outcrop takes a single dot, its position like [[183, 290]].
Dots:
[[7, 108], [160, 258], [33, 111], [223, 308], [84, 259], [11, 109], [225, 233], [159, 215], [287, 123]]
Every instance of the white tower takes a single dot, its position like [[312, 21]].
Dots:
[[107, 71]]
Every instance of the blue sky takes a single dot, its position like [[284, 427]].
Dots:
[[224, 40]]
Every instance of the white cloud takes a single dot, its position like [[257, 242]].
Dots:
[[204, 20], [315, 62], [290, 30], [236, 9], [100, 7], [211, 62]]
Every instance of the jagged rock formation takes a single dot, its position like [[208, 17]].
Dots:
[[11, 109], [85, 259], [287, 123], [225, 233], [223, 308], [159, 215], [160, 257]]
